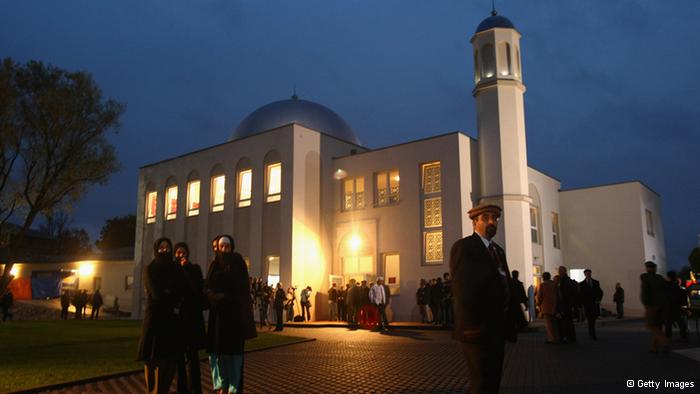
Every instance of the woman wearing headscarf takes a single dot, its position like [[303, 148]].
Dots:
[[160, 345], [188, 374], [230, 317]]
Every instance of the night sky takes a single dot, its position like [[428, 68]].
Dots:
[[612, 86]]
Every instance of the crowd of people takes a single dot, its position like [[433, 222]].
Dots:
[[173, 330], [434, 299], [80, 300]]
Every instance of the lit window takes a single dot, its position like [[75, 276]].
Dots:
[[151, 205], [433, 247], [387, 187], [431, 178], [218, 191], [358, 264], [488, 60], [245, 187], [274, 182], [534, 233], [354, 193], [650, 222], [432, 212], [555, 230], [193, 198], [273, 270], [171, 203]]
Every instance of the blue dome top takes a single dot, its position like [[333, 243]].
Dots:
[[294, 110], [494, 21]]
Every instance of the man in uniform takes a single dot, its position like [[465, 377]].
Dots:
[[480, 288]]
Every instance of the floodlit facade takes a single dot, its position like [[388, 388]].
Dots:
[[308, 205]]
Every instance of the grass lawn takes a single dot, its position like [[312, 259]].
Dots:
[[38, 353]]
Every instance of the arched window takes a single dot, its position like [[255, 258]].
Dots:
[[218, 188], [170, 199], [273, 177], [488, 61], [518, 71], [505, 66], [477, 67]]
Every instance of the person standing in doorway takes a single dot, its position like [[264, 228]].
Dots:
[[480, 287]]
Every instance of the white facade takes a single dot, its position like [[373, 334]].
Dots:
[[605, 229], [341, 211]]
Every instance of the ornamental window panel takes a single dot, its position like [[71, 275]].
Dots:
[[218, 192], [151, 206], [387, 187], [431, 178], [354, 193], [171, 203], [432, 241], [432, 212], [245, 188], [193, 198], [274, 182]]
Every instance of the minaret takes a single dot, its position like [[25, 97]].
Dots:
[[501, 130]]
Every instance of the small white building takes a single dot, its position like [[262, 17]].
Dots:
[[307, 204]]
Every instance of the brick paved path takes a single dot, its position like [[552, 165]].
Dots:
[[412, 361]]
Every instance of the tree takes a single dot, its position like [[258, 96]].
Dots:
[[67, 241], [53, 145], [117, 232]]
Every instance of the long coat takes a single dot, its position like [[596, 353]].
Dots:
[[230, 319], [193, 307], [160, 333], [480, 292], [590, 295], [547, 297]]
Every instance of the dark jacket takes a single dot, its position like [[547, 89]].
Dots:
[[677, 299], [480, 292], [160, 331], [590, 296], [97, 300], [193, 306], [568, 295], [653, 290], [423, 295], [280, 298], [619, 295], [230, 319]]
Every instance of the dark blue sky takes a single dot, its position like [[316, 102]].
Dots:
[[612, 85]]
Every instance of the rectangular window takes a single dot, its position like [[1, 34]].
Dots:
[[128, 282], [431, 178], [218, 191], [245, 188], [432, 212], [433, 247], [151, 205], [274, 182], [354, 193], [387, 183], [650, 222], [534, 233], [171, 203], [358, 264], [555, 230], [193, 198], [273, 270]]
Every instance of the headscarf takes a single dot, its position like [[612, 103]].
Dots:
[[163, 257], [182, 245]]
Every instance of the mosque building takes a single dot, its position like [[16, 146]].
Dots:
[[308, 205]]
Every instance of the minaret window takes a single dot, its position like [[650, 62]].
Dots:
[[517, 60], [488, 60], [477, 67], [505, 65]]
